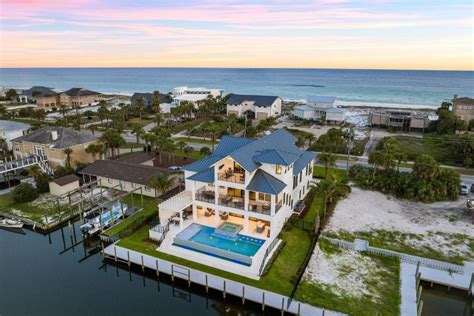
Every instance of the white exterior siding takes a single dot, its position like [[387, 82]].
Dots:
[[270, 111]]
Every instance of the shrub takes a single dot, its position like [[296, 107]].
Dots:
[[42, 183], [205, 151], [24, 192]]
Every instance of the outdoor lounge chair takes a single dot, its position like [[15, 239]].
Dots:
[[224, 216], [260, 227]]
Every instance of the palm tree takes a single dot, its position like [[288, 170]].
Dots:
[[94, 149], [161, 182], [113, 140], [102, 111], [93, 128], [327, 160], [426, 167], [156, 102], [140, 104], [231, 121], [3, 110], [4, 146], [181, 145], [67, 151], [213, 129], [400, 157], [35, 171], [138, 131], [331, 189], [40, 115], [376, 158], [62, 109]]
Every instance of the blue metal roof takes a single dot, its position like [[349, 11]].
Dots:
[[202, 164], [259, 100], [275, 156], [265, 183], [321, 98], [304, 108], [229, 144], [303, 161], [206, 175], [334, 110], [280, 139]]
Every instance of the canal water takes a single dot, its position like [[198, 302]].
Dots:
[[58, 274], [438, 301]]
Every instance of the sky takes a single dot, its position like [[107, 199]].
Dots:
[[372, 34]]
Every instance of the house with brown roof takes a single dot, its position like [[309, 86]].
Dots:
[[44, 97], [463, 107], [132, 173], [50, 142], [78, 97]]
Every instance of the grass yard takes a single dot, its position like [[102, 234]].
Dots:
[[195, 154], [133, 121], [149, 208], [278, 279], [318, 172], [352, 283], [197, 140], [42, 210]]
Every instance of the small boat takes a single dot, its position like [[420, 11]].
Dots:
[[10, 223], [101, 218]]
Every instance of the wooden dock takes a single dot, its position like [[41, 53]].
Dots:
[[210, 281]]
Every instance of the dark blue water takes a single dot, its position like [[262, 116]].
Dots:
[[45, 275], [404, 87]]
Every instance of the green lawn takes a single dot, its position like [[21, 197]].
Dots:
[[318, 172], [278, 279], [133, 121], [382, 284], [132, 145], [195, 154], [149, 208], [44, 206], [196, 140]]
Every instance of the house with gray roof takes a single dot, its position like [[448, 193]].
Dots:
[[320, 108], [250, 184], [78, 97], [50, 143], [258, 107], [10, 130], [165, 101]]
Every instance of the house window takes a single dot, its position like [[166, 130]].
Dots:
[[235, 192], [278, 169], [252, 195], [264, 197]]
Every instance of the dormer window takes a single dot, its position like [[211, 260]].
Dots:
[[278, 169]]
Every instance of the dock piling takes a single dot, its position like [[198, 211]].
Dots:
[[157, 269], [207, 286], [420, 308], [115, 254], [471, 285], [223, 292], [143, 265], [299, 309], [243, 294], [128, 259], [418, 294], [189, 278], [282, 306], [263, 301]]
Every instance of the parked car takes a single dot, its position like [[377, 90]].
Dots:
[[464, 190], [174, 168]]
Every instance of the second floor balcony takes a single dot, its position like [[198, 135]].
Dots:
[[232, 201], [205, 195], [231, 176]]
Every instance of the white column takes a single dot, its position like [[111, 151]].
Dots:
[[195, 214], [246, 200], [272, 199], [216, 194], [246, 224], [216, 218]]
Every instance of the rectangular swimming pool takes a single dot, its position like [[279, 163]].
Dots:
[[203, 239]]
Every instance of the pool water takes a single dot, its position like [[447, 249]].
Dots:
[[243, 245]]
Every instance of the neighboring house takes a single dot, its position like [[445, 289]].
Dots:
[[132, 173], [398, 119], [50, 142], [165, 105], [258, 107], [78, 97], [193, 95], [321, 101], [10, 130], [464, 107], [329, 115], [44, 97], [251, 180], [64, 185]]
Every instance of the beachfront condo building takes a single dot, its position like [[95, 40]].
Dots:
[[400, 120], [320, 108], [464, 108], [193, 95], [258, 107], [236, 202]]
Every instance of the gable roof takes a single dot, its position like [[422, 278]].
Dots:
[[66, 137], [321, 98], [123, 171], [44, 91], [305, 107], [80, 92], [265, 183], [259, 100], [464, 101], [303, 161], [12, 126], [275, 156], [206, 175], [66, 179]]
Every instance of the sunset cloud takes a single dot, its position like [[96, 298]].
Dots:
[[325, 33]]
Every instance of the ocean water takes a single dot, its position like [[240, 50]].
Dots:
[[405, 88]]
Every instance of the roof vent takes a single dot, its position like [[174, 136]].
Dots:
[[54, 135]]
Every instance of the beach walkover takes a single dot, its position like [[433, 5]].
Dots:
[[240, 290]]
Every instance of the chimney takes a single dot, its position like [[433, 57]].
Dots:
[[54, 135]]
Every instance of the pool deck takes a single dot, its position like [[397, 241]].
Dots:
[[251, 272], [246, 292]]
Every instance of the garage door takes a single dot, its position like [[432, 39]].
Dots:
[[262, 116]]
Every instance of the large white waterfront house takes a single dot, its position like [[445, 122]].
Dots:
[[320, 108], [258, 107], [193, 95], [236, 202]]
